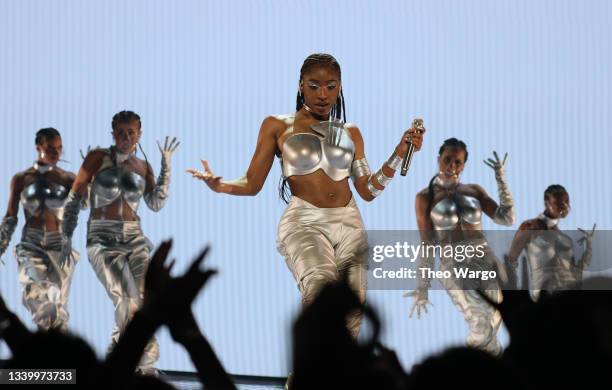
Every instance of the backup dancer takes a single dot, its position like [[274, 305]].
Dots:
[[549, 251], [321, 234], [449, 214], [117, 248], [44, 275]]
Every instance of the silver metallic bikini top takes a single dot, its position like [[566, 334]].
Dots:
[[44, 195], [111, 183], [331, 150], [454, 211]]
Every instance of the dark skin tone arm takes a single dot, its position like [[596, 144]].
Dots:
[[261, 162], [16, 188], [316, 188], [486, 202], [422, 216], [521, 238]]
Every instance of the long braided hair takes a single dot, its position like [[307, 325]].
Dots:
[[450, 143], [338, 111]]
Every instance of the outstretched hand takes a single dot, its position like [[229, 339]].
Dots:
[[213, 181], [587, 237], [169, 147], [168, 298], [421, 300], [496, 164]]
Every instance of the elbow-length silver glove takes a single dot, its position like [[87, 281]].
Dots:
[[72, 208], [156, 198], [587, 241], [504, 215], [7, 228]]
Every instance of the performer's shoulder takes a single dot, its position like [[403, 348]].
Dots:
[[284, 118], [21, 175], [64, 173], [531, 224], [353, 129], [19, 179], [277, 124], [423, 194], [98, 152]]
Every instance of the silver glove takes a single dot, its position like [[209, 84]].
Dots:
[[504, 215], [156, 198], [71, 218], [7, 228], [587, 241]]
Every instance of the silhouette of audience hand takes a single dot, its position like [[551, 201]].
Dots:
[[168, 298]]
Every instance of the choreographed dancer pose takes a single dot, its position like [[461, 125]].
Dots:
[[117, 248], [321, 234], [44, 275], [549, 251], [449, 213]]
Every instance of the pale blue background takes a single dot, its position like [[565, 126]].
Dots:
[[528, 77]]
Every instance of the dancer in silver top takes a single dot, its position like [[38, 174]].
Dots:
[[549, 251], [116, 246], [42, 190], [321, 234], [449, 214]]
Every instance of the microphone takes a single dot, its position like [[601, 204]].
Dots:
[[417, 124]]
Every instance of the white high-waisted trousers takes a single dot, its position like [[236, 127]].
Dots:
[[320, 244]]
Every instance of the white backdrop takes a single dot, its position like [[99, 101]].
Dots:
[[528, 77]]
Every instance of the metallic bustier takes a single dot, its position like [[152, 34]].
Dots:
[[451, 212], [111, 183], [44, 195], [332, 151]]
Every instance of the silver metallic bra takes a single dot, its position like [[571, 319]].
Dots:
[[44, 195], [331, 150], [111, 183], [454, 211]]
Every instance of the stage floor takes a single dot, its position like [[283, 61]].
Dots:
[[189, 381]]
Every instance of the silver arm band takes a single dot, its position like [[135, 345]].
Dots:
[[373, 190], [156, 198], [360, 168], [6, 232], [71, 214], [394, 161], [504, 214], [382, 178]]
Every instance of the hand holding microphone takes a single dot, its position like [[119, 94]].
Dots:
[[416, 131]]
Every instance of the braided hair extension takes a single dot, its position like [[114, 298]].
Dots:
[[338, 111]]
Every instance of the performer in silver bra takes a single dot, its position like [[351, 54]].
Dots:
[[117, 248], [449, 214], [44, 276], [321, 234], [549, 251]]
